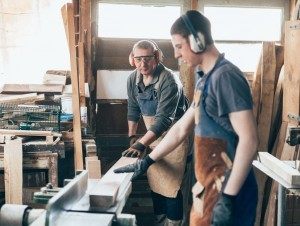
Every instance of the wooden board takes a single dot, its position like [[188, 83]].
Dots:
[[32, 88], [81, 69], [256, 89], [93, 166], [29, 133], [68, 16], [267, 86], [23, 98], [291, 85], [13, 171], [287, 173], [105, 192]]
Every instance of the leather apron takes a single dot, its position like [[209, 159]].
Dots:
[[214, 151], [165, 176]]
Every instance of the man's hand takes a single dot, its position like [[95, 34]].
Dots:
[[139, 167], [223, 211], [136, 150]]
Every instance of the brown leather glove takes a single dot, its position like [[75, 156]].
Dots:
[[136, 150]]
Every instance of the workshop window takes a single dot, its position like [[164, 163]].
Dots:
[[239, 32], [136, 21]]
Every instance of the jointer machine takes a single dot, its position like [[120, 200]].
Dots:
[[82, 201]]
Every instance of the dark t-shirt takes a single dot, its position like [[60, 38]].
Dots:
[[228, 91]]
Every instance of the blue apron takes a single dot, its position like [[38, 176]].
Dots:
[[211, 142], [147, 101]]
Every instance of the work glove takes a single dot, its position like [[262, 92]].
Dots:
[[223, 211], [136, 150], [132, 139], [139, 167]]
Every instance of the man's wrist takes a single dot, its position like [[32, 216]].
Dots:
[[132, 136], [229, 197], [139, 146], [149, 160]]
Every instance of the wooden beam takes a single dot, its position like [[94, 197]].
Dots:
[[93, 166], [32, 88], [256, 89], [81, 76], [105, 192], [13, 170], [291, 84], [283, 170], [267, 97], [68, 15], [23, 98], [29, 133]]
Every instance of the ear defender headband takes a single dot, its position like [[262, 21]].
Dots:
[[157, 52], [197, 40]]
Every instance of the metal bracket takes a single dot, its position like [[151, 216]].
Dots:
[[294, 117]]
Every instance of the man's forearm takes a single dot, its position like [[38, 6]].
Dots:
[[132, 128]]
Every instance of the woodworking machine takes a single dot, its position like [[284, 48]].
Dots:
[[294, 139], [70, 206]]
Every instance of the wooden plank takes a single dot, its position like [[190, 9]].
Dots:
[[256, 89], [93, 166], [85, 36], [81, 76], [13, 171], [67, 11], [286, 172], [32, 88], [105, 192], [277, 98], [23, 98], [291, 84], [279, 51], [29, 133], [267, 82], [295, 13], [91, 150], [54, 79]]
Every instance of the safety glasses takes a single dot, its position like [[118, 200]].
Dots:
[[146, 59]]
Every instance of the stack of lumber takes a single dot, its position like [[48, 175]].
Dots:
[[54, 82], [276, 94]]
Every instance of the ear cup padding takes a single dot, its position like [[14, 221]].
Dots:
[[196, 39], [131, 60], [197, 47]]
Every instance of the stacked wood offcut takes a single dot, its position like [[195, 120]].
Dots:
[[276, 94]]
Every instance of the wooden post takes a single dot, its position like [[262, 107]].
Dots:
[[291, 84], [13, 170]]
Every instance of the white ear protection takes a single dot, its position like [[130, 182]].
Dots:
[[196, 39]]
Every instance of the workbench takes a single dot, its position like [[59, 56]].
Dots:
[[17, 155], [282, 187]]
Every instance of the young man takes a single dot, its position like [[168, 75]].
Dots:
[[156, 94], [225, 131]]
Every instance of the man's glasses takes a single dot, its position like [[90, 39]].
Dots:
[[146, 59]]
